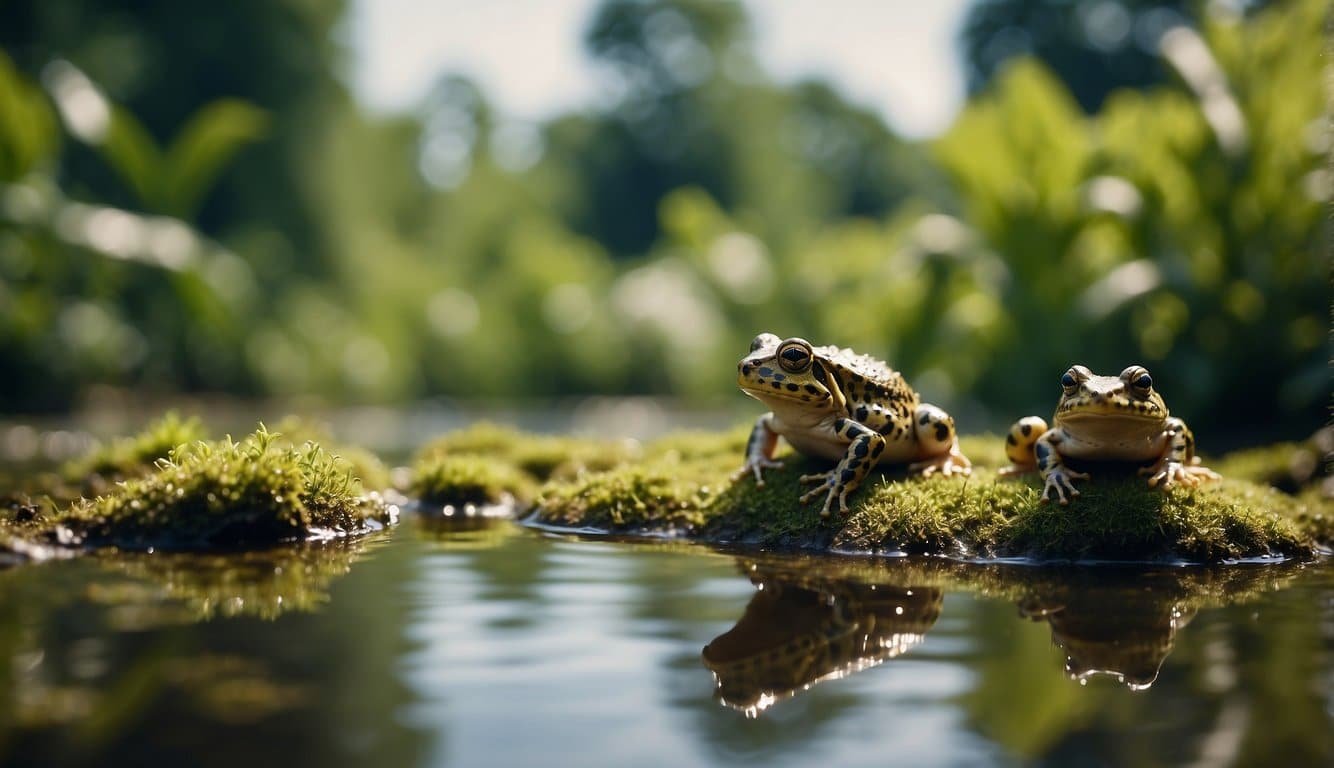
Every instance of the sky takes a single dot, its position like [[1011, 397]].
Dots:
[[898, 57]]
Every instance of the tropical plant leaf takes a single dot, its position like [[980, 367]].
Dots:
[[213, 135], [28, 132], [134, 155]]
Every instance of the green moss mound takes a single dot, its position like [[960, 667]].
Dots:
[[135, 455], [486, 463], [684, 486], [468, 479], [295, 431], [218, 495]]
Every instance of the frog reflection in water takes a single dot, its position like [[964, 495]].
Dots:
[[832, 403], [1110, 418], [798, 632], [1124, 631]]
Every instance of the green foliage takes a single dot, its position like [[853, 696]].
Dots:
[[223, 494], [636, 248], [1096, 49], [173, 180], [1167, 229], [27, 125]]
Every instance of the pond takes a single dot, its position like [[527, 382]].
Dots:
[[504, 645]]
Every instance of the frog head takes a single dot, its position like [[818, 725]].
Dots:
[[1111, 404], [784, 372]]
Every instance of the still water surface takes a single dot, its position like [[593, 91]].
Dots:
[[505, 646]]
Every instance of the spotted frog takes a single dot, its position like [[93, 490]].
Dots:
[[835, 404], [1112, 418]]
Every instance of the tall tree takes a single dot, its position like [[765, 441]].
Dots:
[[1094, 46]]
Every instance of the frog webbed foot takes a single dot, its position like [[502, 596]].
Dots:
[[826, 483], [1058, 482], [756, 466], [760, 450], [952, 463], [1179, 464], [1167, 472]]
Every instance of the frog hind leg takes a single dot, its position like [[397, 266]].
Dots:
[[863, 452], [938, 443], [1057, 479], [760, 450], [1019, 443], [1178, 464]]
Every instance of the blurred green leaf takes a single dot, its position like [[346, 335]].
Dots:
[[28, 134], [131, 151], [209, 140]]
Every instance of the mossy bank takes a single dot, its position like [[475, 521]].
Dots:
[[682, 486], [197, 495]]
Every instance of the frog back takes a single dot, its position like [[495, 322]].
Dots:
[[866, 380]]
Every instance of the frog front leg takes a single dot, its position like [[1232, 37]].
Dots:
[[760, 450], [1056, 477], [938, 443], [1178, 464], [863, 452]]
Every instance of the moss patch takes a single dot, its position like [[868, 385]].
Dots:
[[467, 479], [135, 455], [294, 431], [486, 462], [210, 495], [683, 485]]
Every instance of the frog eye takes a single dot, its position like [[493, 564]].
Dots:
[[794, 356], [1138, 377], [1070, 379], [763, 340]]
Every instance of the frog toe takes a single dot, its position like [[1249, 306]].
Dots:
[[1203, 474], [1062, 486], [1189, 476], [952, 463], [835, 495], [757, 468], [815, 492]]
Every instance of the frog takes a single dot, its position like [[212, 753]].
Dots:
[[1105, 418], [835, 404]]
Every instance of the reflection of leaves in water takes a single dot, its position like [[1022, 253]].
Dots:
[[169, 587], [797, 632]]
